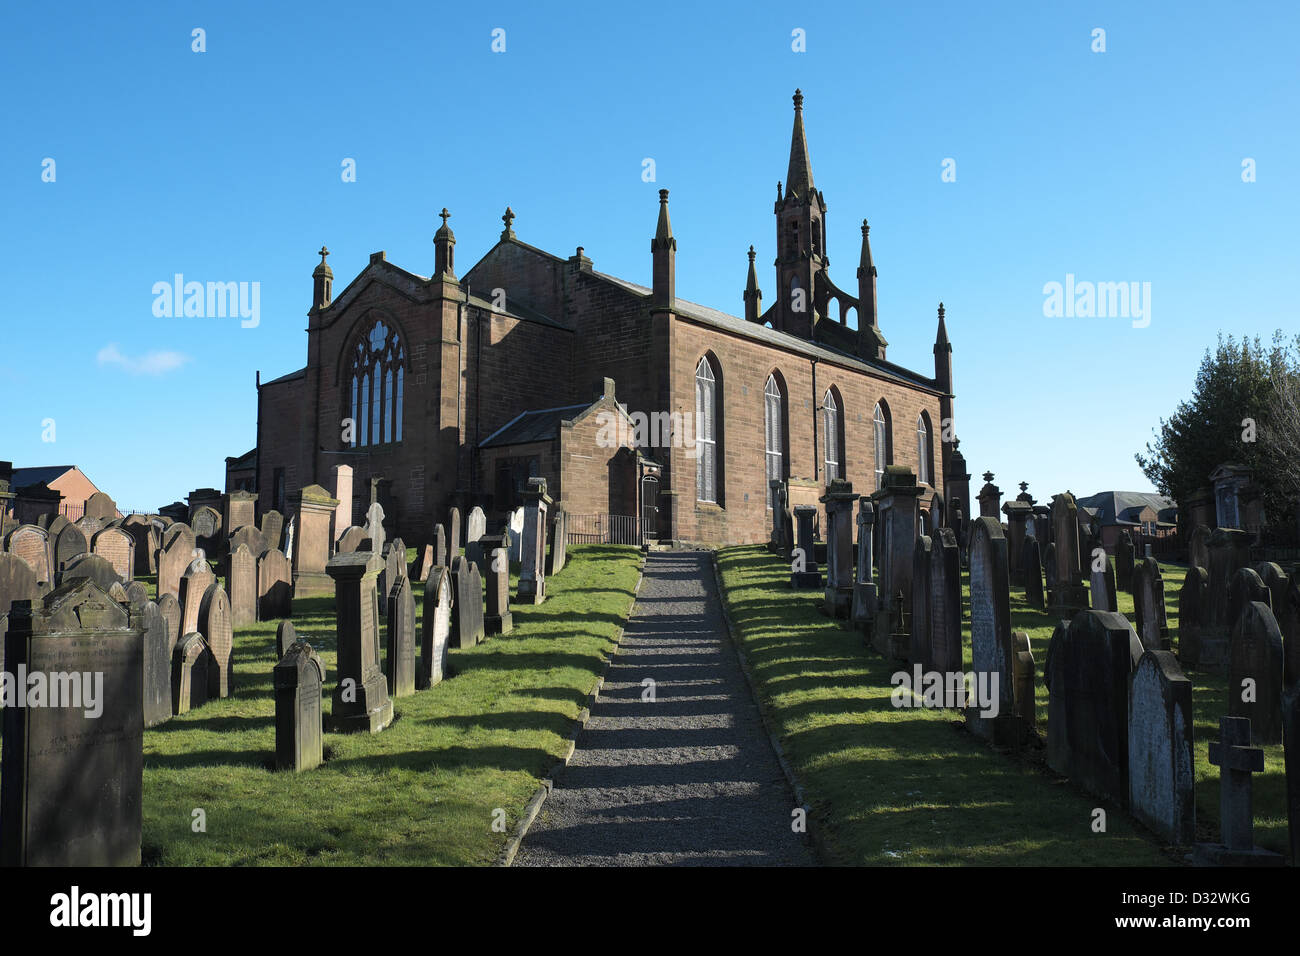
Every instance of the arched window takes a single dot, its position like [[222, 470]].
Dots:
[[882, 442], [375, 386], [774, 421], [706, 415], [831, 438], [924, 457]]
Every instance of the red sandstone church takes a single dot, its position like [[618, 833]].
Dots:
[[455, 390]]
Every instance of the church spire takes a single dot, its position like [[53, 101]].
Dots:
[[799, 178], [753, 297], [663, 251], [871, 343]]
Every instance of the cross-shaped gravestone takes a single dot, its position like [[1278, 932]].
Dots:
[[1236, 760]]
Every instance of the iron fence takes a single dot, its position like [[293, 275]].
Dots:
[[603, 529]]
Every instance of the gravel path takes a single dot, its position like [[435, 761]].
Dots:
[[689, 778]]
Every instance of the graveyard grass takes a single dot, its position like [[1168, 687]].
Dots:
[[425, 791], [891, 786]]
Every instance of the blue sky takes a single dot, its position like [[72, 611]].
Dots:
[[1122, 166]]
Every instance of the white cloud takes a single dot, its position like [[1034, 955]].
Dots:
[[151, 363]]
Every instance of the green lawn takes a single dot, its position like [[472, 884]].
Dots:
[[910, 786], [423, 791]]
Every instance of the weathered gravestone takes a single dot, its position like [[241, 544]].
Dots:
[[453, 522], [992, 714], [343, 494], [308, 546], [196, 580], [1245, 588], [72, 770], [170, 609], [56, 526], [394, 567], [95, 568], [1022, 676], [299, 722], [1049, 569], [423, 562], [1031, 570], [435, 628], [118, 593], [250, 537], [101, 506], [375, 527], [143, 535], [919, 649], [559, 553], [1101, 583], [532, 571], [17, 583], [776, 497], [90, 526], [838, 595], [1255, 661], [467, 623], [360, 701], [1151, 622], [191, 663], [238, 510], [945, 612], [157, 663], [440, 556], [804, 572], [864, 588], [1229, 550], [137, 593], [32, 544], [206, 525], [174, 559], [1276, 581], [399, 665], [499, 620], [1198, 547], [897, 524], [1069, 594], [241, 580], [273, 529], [1193, 615], [274, 586], [1236, 759], [515, 532], [1124, 563], [285, 636], [476, 528], [1087, 676], [218, 630], [351, 540], [1161, 771]]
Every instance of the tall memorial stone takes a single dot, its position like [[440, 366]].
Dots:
[[559, 553], [1255, 664], [1019, 513], [467, 623], [273, 530], [1193, 615], [1031, 571], [476, 528], [1124, 562], [191, 666], [71, 542], [343, 495], [945, 608], [864, 588], [532, 572], [399, 664], [499, 620], [156, 655], [350, 540], [101, 507], [238, 510], [435, 628], [440, 555], [838, 501], [992, 646], [375, 527], [71, 776], [919, 649], [898, 525], [1237, 759], [804, 572], [1161, 770], [1087, 675], [285, 637], [174, 558], [360, 701], [143, 538], [1151, 620], [216, 626], [241, 580], [195, 582], [453, 522], [776, 496], [1069, 595], [32, 544], [274, 586], [1198, 548], [1229, 551], [423, 562], [299, 731], [170, 609], [206, 524], [515, 532], [1102, 589], [314, 510]]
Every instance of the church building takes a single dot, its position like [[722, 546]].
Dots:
[[642, 410]]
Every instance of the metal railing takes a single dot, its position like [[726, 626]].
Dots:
[[603, 529]]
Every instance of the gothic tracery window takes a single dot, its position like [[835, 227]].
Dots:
[[375, 385]]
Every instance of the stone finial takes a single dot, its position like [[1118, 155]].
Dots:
[[751, 253], [445, 215], [940, 310], [798, 99], [988, 476], [865, 228], [508, 218], [1024, 486]]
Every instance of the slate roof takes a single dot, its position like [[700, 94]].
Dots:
[[33, 476], [538, 425], [301, 373], [1123, 507]]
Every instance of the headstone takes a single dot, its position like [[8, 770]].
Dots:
[[440, 555], [101, 506], [206, 525], [1255, 662], [71, 776], [174, 559], [399, 665], [1022, 675], [476, 528], [274, 586], [467, 624], [394, 567], [56, 525], [1069, 595], [1151, 622], [285, 637], [1276, 581], [32, 544], [350, 540], [1124, 563], [1049, 569], [1236, 759], [1101, 583], [157, 679], [118, 593], [532, 571], [559, 553], [1245, 588], [137, 593], [864, 588], [360, 701], [343, 494], [191, 664], [1087, 676], [1228, 550], [195, 582], [838, 501], [435, 628], [453, 523], [1161, 772], [897, 525], [94, 567], [249, 537], [90, 526], [499, 620], [920, 652], [423, 562], [1193, 615], [299, 725], [17, 582], [945, 612], [1031, 570], [375, 527], [515, 531], [170, 609], [144, 537], [238, 510], [1198, 547], [309, 542], [803, 559], [218, 631], [273, 529], [992, 647], [241, 581]]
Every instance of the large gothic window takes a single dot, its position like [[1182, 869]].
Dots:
[[774, 421], [706, 415], [925, 464], [831, 441], [882, 442], [376, 380]]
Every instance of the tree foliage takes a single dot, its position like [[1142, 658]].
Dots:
[[1244, 409]]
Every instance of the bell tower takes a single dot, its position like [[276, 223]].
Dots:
[[800, 237]]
